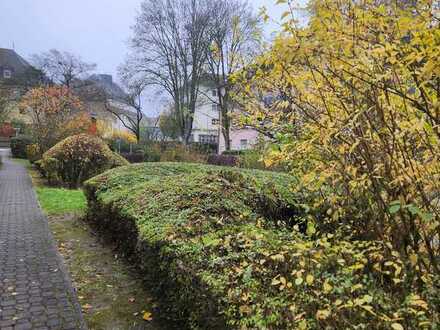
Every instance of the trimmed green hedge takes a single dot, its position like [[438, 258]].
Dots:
[[218, 246]]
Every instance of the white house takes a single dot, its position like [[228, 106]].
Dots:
[[207, 117], [207, 124]]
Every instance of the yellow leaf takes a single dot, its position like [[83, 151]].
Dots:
[[327, 287], [322, 314], [87, 306], [147, 316], [369, 309], [356, 287], [416, 301], [309, 279], [413, 259], [285, 14], [245, 309], [397, 326]]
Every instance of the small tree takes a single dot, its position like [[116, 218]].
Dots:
[[53, 111], [235, 37], [169, 125]]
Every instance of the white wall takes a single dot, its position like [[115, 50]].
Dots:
[[206, 116]]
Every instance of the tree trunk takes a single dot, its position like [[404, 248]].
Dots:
[[225, 122]]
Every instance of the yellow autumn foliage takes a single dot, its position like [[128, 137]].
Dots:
[[352, 103]]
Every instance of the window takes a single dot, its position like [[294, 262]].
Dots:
[[243, 144], [208, 139], [7, 74], [215, 121], [215, 107], [214, 92]]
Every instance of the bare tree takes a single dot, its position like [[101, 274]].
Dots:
[[123, 109], [235, 39], [62, 67], [169, 49]]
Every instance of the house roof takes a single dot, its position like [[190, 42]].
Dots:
[[105, 82], [10, 59]]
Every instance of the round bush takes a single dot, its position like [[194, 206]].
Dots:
[[78, 158]]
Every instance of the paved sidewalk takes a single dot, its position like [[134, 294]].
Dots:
[[35, 289]]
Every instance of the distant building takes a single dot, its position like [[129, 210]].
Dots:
[[98, 93], [16, 77], [12, 65], [207, 124]]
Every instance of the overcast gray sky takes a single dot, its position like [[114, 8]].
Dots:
[[97, 30]]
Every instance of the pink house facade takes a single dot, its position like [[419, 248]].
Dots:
[[241, 139]]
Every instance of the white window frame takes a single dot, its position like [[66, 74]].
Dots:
[[7, 74]]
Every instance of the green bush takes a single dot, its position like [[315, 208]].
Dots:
[[19, 144], [251, 159], [152, 152], [228, 248], [78, 158]]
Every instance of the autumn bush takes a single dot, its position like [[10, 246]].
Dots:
[[55, 113], [178, 152], [231, 248], [354, 111], [33, 152], [78, 158]]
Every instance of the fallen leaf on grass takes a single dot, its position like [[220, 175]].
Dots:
[[147, 316], [86, 307]]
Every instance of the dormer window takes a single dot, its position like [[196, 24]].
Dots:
[[7, 74]]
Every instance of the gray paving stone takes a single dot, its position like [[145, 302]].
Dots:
[[35, 289]]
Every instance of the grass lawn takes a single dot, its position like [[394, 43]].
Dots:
[[53, 200], [56, 201]]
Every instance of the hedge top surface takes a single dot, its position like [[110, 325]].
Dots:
[[169, 199], [84, 148], [214, 233]]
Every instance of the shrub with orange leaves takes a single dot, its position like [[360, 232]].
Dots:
[[51, 109]]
